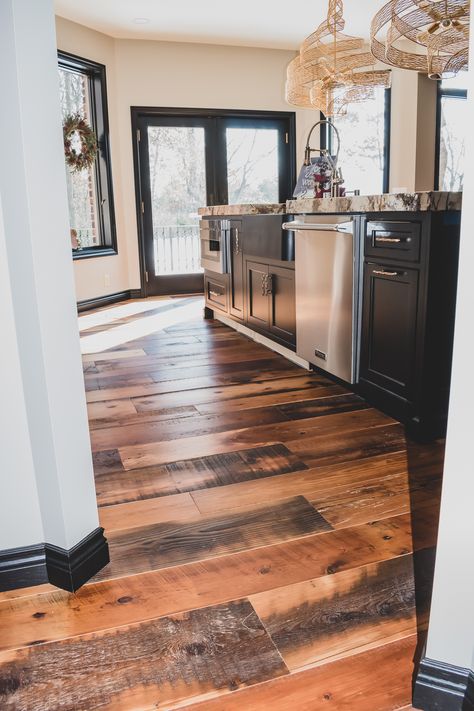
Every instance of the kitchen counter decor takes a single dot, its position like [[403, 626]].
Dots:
[[442, 28], [333, 69]]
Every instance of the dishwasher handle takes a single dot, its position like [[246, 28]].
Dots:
[[319, 226]]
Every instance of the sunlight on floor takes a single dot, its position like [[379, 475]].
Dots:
[[106, 316], [142, 326]]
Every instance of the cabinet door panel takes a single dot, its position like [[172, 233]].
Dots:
[[257, 299], [216, 291], [236, 268], [282, 305], [389, 328]]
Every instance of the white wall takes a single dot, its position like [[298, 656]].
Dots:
[[40, 275], [451, 630]]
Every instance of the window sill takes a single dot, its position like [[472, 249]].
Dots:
[[89, 253]]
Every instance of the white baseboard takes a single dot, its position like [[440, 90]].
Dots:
[[258, 338]]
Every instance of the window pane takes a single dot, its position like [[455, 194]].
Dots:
[[453, 130], [362, 132], [178, 189], [81, 187], [252, 165]]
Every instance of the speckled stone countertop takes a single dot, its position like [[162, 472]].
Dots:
[[234, 210], [388, 202]]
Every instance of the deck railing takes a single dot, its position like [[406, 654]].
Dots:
[[177, 249]]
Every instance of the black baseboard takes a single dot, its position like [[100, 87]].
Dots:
[[22, 567], [97, 302], [45, 563], [443, 687]]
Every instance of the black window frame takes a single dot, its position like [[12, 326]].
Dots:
[[441, 94], [326, 139], [99, 120]]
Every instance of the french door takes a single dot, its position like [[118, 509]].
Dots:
[[186, 159]]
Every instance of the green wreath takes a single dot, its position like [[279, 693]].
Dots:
[[75, 123]]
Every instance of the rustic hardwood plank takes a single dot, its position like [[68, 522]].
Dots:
[[172, 542], [377, 680], [107, 461], [176, 508], [54, 614], [113, 355], [166, 430], [193, 474], [199, 654], [313, 621], [110, 409], [189, 386], [343, 446], [162, 452], [346, 402], [328, 487], [275, 398]]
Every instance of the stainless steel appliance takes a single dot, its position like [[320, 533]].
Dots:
[[327, 282], [213, 244]]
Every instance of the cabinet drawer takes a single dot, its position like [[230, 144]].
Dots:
[[216, 292], [393, 240]]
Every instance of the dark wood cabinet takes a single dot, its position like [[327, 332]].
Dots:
[[216, 291], [389, 335], [281, 288], [235, 263], [408, 310], [270, 296]]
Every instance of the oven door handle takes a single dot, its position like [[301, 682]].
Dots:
[[318, 226]]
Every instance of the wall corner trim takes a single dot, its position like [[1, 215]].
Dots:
[[43, 563], [443, 687]]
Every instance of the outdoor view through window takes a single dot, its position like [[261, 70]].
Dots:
[[252, 165], [452, 132], [81, 188], [362, 156]]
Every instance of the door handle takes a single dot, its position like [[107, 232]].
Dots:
[[269, 285], [237, 241], [382, 272]]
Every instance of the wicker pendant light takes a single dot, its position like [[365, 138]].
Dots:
[[333, 69], [429, 36]]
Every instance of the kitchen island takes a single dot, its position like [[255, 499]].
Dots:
[[397, 301]]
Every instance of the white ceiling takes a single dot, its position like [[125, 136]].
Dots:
[[255, 23]]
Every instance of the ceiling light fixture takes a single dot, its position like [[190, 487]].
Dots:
[[333, 69], [141, 20], [438, 31]]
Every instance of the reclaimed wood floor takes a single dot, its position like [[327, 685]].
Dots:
[[271, 535]]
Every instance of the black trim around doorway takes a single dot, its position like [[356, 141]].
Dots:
[[217, 192]]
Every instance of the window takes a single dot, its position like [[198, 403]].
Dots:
[[365, 144], [451, 131], [91, 209]]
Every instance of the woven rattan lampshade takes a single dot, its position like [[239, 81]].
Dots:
[[436, 34], [333, 69]]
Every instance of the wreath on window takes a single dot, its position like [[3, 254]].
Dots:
[[75, 125]]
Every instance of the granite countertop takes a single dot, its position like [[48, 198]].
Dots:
[[388, 202], [234, 210]]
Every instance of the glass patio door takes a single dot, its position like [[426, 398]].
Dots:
[[184, 162], [174, 184]]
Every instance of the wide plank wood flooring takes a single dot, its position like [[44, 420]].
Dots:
[[271, 535]]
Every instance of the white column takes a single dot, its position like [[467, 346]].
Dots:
[[451, 631], [35, 215], [20, 524]]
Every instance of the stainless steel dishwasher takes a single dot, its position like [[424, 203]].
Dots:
[[327, 282]]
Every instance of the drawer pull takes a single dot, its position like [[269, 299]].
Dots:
[[382, 272], [214, 293], [392, 240]]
